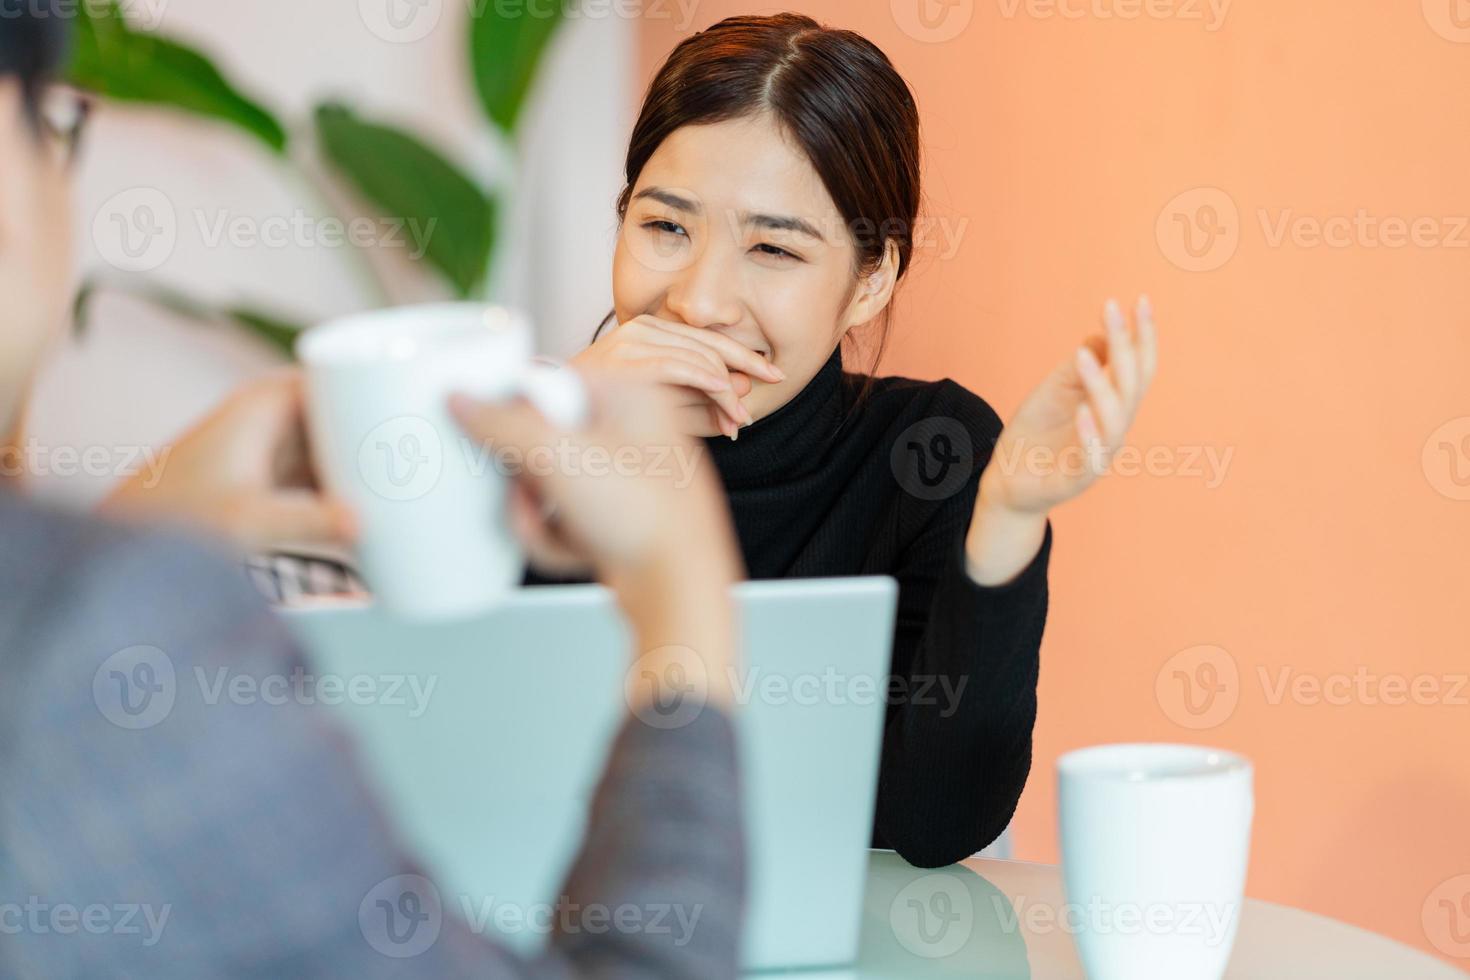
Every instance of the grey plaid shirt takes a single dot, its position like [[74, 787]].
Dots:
[[148, 830]]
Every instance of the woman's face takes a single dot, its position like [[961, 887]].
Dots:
[[730, 228]]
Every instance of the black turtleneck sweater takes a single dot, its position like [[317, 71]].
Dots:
[[826, 486]]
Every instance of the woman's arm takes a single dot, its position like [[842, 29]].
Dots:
[[970, 626], [957, 741]]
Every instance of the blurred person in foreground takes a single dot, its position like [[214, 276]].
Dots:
[[147, 829]]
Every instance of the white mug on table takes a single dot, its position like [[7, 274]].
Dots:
[[1155, 842], [434, 535]]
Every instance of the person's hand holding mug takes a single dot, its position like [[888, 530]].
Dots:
[[244, 473], [657, 533]]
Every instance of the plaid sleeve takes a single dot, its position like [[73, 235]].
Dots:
[[169, 807]]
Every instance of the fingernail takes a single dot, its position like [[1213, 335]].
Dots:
[[1087, 361], [461, 406], [1145, 308], [1112, 315], [780, 374]]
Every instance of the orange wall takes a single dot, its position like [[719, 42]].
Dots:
[[1334, 544]]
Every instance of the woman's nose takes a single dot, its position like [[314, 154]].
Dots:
[[706, 295]]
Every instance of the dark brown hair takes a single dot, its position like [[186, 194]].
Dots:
[[836, 95], [33, 45]]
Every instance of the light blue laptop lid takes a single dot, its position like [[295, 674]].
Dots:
[[486, 737]]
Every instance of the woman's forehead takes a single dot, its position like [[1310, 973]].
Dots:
[[744, 164]]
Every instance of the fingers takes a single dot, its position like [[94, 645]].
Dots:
[[1131, 359], [289, 516], [513, 424], [1148, 342], [545, 548], [1106, 404], [734, 354], [1122, 360], [675, 366]]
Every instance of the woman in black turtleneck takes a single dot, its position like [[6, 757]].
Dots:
[[772, 192]]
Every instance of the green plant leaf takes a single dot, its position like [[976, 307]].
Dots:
[[506, 45], [278, 333], [115, 61], [444, 214]]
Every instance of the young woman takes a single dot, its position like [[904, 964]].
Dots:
[[769, 211]]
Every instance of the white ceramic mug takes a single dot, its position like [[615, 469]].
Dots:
[[1155, 841], [434, 537]]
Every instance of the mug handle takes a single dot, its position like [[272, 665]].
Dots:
[[557, 392]]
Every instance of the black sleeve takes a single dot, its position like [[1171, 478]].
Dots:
[[966, 657]]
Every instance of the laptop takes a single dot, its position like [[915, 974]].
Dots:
[[487, 757]]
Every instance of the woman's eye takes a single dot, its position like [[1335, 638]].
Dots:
[[776, 252], [664, 226]]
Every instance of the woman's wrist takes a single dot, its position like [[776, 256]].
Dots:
[[1001, 541]]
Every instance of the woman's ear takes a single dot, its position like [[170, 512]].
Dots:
[[874, 291]]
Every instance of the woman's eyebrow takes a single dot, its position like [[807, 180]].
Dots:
[[771, 222], [670, 200], [782, 222]]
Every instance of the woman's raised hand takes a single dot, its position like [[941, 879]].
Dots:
[[1065, 433], [708, 371], [1059, 442]]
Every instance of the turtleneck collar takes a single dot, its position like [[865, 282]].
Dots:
[[789, 442]]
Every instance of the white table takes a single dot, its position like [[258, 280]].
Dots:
[[1011, 931]]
